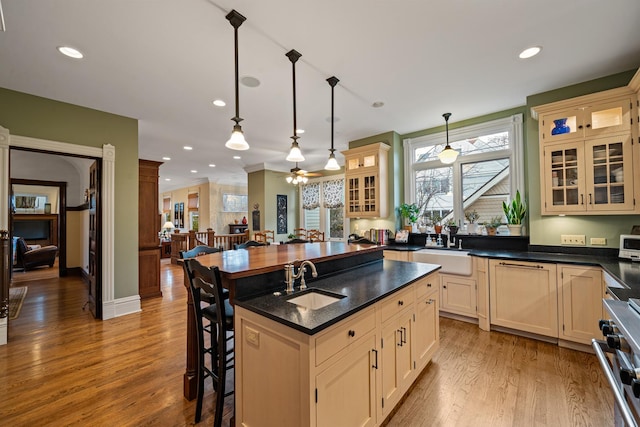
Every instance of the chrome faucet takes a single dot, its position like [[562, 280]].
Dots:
[[290, 274]]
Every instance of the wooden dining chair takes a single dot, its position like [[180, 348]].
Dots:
[[264, 236], [300, 233], [315, 235]]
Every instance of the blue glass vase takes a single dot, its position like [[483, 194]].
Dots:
[[560, 127]]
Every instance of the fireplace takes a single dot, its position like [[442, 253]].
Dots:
[[36, 229]]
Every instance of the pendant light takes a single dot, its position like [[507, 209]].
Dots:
[[295, 155], [448, 155], [237, 141], [332, 164]]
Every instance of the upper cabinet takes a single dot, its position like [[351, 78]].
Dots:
[[366, 176], [587, 154]]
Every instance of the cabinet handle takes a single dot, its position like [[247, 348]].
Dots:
[[399, 331], [400, 302], [582, 199], [352, 333], [428, 285], [429, 301], [403, 335], [508, 264], [375, 365], [590, 202]]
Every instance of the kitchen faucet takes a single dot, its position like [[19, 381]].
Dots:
[[290, 274]]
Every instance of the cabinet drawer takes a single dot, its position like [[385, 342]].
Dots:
[[397, 303], [344, 334], [427, 285]]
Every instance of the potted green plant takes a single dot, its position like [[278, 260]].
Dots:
[[472, 217], [410, 212], [452, 227], [492, 225], [515, 212], [436, 219]]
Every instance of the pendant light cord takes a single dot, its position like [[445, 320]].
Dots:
[[333, 81], [237, 117], [293, 56]]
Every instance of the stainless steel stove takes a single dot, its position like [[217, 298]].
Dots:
[[619, 357]]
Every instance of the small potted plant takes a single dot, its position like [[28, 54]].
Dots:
[[515, 212], [437, 224], [492, 225], [410, 212], [452, 227], [472, 217]]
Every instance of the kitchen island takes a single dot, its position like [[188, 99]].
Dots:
[[345, 363]]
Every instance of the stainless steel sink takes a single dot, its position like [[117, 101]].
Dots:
[[313, 299]]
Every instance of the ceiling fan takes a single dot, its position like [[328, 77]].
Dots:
[[299, 176]]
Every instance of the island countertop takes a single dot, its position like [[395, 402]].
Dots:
[[361, 286]]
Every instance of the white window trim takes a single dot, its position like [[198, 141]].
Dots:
[[511, 124], [322, 209]]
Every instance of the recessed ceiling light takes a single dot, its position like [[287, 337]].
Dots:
[[219, 103], [249, 81], [377, 104], [70, 52], [211, 165], [529, 52], [166, 158], [237, 157], [167, 179], [186, 147], [299, 130], [194, 171]]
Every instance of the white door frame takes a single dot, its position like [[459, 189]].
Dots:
[[108, 155]]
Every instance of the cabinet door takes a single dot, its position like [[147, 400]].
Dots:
[[397, 255], [353, 195], [561, 125], [458, 295], [346, 390], [523, 296], [362, 162], [369, 195], [563, 178], [396, 359], [609, 174], [607, 117], [581, 293], [427, 330]]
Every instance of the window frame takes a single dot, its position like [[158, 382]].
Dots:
[[513, 125]]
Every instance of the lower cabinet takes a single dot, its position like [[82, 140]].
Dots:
[[397, 255], [458, 295], [351, 374], [580, 293], [523, 296]]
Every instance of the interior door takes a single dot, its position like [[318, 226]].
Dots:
[[95, 255]]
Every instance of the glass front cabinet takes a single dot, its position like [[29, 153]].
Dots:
[[366, 181], [586, 154]]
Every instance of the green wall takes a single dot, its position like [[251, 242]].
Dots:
[[32, 116], [263, 187], [546, 230]]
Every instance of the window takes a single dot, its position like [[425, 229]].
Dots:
[[488, 171], [323, 207]]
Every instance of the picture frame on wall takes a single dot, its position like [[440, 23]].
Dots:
[[281, 206]]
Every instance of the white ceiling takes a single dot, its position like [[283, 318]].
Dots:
[[164, 61]]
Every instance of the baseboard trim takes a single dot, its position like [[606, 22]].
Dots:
[[121, 307]]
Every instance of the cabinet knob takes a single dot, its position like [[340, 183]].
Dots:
[[400, 302], [579, 126], [352, 333], [428, 285], [588, 125], [444, 286]]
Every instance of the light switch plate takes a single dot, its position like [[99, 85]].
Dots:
[[601, 241]]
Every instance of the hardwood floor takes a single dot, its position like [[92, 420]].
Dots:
[[61, 367]]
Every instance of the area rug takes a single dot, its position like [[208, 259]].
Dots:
[[16, 298]]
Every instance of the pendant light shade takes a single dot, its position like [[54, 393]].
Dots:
[[332, 164], [237, 141], [295, 155], [448, 155]]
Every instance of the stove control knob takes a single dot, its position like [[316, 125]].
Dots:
[[617, 342], [627, 376], [635, 387], [609, 329], [603, 322]]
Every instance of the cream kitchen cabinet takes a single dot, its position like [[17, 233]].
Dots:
[[591, 177], [396, 355], [366, 176], [397, 255], [580, 293], [523, 296], [586, 154], [427, 321], [458, 295]]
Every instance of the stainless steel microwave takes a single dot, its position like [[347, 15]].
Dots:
[[630, 246]]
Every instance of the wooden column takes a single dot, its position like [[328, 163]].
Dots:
[[148, 228]]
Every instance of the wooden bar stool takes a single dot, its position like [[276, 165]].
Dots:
[[315, 235]]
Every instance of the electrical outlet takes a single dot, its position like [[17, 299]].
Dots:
[[573, 239], [598, 241]]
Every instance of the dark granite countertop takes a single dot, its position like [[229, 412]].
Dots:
[[361, 286], [626, 273]]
